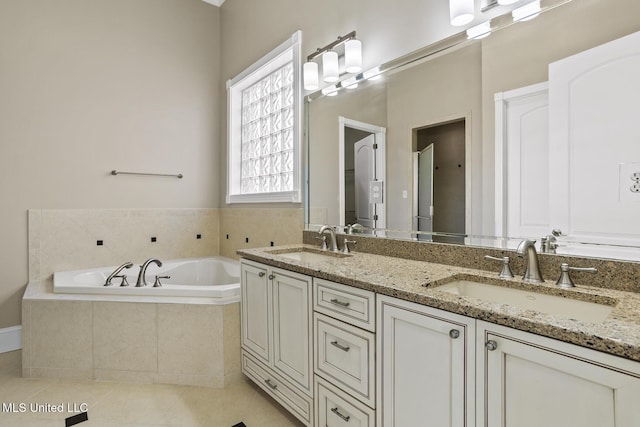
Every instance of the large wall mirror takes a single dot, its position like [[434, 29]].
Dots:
[[413, 154]]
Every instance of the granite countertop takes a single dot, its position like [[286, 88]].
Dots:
[[418, 281]]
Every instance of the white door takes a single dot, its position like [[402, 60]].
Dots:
[[256, 315], [595, 143], [292, 327], [425, 366], [530, 381], [424, 193], [365, 173]]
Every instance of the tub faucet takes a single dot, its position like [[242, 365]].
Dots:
[[142, 281], [333, 245], [116, 272], [527, 250]]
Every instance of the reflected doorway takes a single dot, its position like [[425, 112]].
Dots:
[[439, 181], [362, 174]]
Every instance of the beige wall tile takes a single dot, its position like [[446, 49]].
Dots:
[[232, 363], [190, 340], [61, 335], [125, 337]]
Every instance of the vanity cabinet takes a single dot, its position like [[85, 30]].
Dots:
[[344, 355], [525, 380], [425, 371], [276, 335]]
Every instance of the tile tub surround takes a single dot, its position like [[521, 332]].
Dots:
[[612, 274], [85, 337], [67, 239], [417, 281]]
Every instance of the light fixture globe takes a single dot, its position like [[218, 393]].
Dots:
[[310, 75], [461, 12], [330, 70], [353, 56]]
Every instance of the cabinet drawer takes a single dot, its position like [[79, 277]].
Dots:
[[344, 355], [349, 304], [295, 402], [334, 408]]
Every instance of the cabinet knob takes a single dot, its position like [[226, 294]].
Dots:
[[261, 274], [272, 276], [491, 345], [454, 333]]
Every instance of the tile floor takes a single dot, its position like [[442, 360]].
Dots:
[[134, 405]]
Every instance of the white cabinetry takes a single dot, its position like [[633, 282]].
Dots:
[[276, 335], [425, 366], [532, 381], [344, 361]]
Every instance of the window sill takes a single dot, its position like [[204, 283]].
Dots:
[[283, 197]]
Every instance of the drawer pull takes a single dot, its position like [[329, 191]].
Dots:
[[261, 274], [273, 386], [491, 345], [340, 303], [346, 418], [343, 348]]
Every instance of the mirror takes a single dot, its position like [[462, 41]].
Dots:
[[448, 84]]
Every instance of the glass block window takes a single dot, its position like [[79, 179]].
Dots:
[[268, 133], [264, 152]]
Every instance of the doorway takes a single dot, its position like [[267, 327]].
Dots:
[[439, 181], [362, 174]]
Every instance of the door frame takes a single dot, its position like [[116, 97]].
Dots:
[[381, 155]]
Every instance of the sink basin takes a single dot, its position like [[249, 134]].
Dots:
[[544, 303], [310, 256]]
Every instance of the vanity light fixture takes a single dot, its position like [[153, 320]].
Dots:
[[350, 83], [461, 12], [506, 2], [331, 90], [526, 12], [479, 31], [330, 64]]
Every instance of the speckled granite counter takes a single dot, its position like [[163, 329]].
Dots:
[[417, 281]]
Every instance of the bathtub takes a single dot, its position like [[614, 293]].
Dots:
[[213, 277]]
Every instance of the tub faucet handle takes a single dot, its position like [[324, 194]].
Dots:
[[117, 271], [124, 279], [157, 283]]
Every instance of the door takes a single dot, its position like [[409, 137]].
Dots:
[[364, 158], [425, 374], [292, 326], [424, 192], [595, 144], [256, 317], [531, 381]]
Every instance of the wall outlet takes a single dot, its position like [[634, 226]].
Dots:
[[635, 188], [635, 176], [629, 174]]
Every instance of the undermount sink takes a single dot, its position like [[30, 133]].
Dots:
[[528, 300], [307, 255]]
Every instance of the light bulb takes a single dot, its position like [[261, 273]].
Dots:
[[353, 56], [330, 66], [310, 75]]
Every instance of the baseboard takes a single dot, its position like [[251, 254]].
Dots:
[[10, 339]]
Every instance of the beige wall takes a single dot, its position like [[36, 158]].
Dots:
[[91, 86]]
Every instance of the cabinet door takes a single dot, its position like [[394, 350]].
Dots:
[[425, 366], [256, 315], [532, 381], [292, 326]]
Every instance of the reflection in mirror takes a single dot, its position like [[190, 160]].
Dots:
[[454, 83]]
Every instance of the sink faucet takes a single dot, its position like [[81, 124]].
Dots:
[[116, 272], [532, 272], [142, 281], [333, 245]]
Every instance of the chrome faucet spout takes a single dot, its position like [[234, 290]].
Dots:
[[527, 250], [333, 245], [142, 281]]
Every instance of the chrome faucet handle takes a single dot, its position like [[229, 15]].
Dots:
[[345, 245], [124, 279], [506, 272], [565, 281], [115, 272], [157, 283], [324, 242]]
